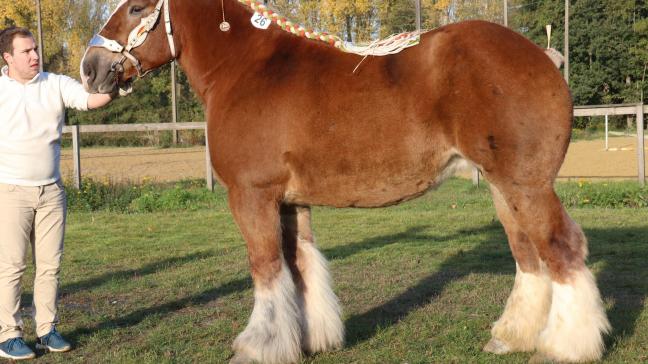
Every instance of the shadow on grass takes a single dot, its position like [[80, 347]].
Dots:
[[127, 274], [137, 316], [620, 279], [237, 285], [345, 251], [98, 281], [624, 277], [490, 256]]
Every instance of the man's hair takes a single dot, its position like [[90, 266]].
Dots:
[[7, 36]]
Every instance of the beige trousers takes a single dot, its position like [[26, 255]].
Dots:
[[36, 216]]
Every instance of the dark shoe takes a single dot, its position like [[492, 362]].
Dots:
[[16, 349], [53, 342]]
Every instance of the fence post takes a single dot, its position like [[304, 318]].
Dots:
[[475, 176], [174, 103], [606, 132], [208, 166], [76, 156], [641, 153]]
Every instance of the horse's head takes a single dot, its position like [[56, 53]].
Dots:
[[136, 39]]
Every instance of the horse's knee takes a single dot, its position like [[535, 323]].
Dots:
[[265, 267]]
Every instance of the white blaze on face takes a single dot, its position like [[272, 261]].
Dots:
[[84, 79]]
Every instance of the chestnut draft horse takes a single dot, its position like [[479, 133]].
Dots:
[[291, 123]]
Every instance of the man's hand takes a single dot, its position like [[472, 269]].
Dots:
[[98, 100]]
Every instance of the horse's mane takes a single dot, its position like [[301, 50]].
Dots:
[[390, 45]]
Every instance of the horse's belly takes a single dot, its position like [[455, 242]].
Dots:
[[368, 189]]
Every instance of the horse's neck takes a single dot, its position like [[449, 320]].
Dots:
[[214, 60]]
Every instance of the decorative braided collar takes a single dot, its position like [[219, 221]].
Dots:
[[390, 45]]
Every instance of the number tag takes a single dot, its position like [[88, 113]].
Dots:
[[260, 21]]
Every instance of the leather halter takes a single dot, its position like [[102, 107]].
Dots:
[[136, 38]]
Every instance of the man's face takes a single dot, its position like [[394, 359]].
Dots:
[[23, 63]]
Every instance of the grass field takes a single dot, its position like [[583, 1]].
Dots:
[[419, 283]]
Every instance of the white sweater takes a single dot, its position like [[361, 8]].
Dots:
[[31, 122]]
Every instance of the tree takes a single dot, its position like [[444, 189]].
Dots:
[[608, 45]]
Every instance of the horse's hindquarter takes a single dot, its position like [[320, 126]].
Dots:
[[382, 135], [509, 107]]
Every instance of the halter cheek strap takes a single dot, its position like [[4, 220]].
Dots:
[[136, 38]]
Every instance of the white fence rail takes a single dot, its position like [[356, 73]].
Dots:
[[601, 110]]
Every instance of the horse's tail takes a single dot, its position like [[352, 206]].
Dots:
[[556, 57]]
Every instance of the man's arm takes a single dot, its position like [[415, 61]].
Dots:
[[98, 100]]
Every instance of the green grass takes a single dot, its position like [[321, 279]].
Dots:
[[419, 283]]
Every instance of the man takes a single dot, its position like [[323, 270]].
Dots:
[[32, 198]]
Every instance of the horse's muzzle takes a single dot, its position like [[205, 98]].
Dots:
[[100, 73]]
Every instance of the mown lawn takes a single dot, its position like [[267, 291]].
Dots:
[[419, 283]]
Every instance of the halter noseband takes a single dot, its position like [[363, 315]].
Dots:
[[136, 38]]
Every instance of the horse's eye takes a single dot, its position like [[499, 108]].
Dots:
[[135, 10]]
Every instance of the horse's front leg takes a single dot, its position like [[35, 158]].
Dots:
[[273, 334]]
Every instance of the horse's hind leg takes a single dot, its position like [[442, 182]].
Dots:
[[272, 335], [527, 307], [576, 321], [322, 327]]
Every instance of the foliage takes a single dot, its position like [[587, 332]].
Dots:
[[145, 197], [101, 195], [608, 40], [150, 102], [177, 198], [603, 194]]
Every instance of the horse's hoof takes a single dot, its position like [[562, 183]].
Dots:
[[240, 358], [497, 346], [538, 358]]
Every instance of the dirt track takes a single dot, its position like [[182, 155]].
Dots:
[[585, 159], [590, 159]]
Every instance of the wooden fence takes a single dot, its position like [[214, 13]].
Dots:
[[600, 110], [76, 130]]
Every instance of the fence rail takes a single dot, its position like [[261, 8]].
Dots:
[[76, 130], [598, 110]]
